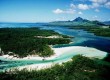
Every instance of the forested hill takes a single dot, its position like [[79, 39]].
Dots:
[[78, 21], [79, 68], [24, 41]]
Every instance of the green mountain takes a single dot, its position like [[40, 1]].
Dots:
[[79, 19], [77, 22]]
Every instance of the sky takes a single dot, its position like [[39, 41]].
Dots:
[[53, 10]]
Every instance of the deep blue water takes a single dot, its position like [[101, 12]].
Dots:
[[82, 38]]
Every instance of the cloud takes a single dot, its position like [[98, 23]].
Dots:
[[107, 5], [99, 1], [68, 11], [83, 6], [95, 5], [97, 10], [72, 6], [58, 11], [80, 12]]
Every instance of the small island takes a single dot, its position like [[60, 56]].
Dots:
[[21, 42], [97, 30]]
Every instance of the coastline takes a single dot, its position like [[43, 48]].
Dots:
[[31, 57], [85, 51], [60, 53]]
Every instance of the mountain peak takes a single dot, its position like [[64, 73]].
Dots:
[[79, 19]]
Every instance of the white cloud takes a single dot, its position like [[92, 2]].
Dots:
[[99, 1], [95, 5], [72, 6], [107, 4], [83, 6], [97, 10], [58, 11], [68, 11], [80, 12]]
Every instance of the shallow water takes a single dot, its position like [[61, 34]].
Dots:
[[82, 38]]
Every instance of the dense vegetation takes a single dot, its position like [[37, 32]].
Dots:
[[80, 68], [23, 41], [99, 31]]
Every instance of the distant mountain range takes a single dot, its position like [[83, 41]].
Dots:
[[107, 22], [78, 21]]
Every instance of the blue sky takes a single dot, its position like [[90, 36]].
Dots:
[[53, 10]]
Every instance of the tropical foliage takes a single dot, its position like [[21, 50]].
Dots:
[[80, 68], [23, 41], [97, 30]]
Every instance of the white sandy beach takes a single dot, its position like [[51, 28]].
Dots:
[[59, 52], [33, 57]]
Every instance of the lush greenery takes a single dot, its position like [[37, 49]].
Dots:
[[100, 31], [80, 68], [23, 41]]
